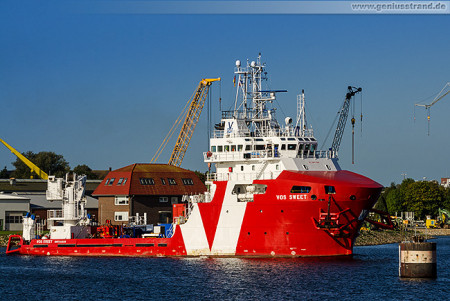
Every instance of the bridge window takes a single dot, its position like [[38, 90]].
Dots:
[[227, 148], [260, 147], [283, 146], [240, 148], [233, 148], [248, 147], [213, 148], [220, 148], [300, 189], [292, 146]]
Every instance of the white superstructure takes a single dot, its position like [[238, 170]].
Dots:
[[250, 144]]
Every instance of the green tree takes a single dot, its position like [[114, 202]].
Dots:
[[49, 162], [394, 201], [4, 173], [423, 198], [201, 176], [85, 170]]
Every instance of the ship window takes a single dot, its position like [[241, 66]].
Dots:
[[312, 139], [120, 181], [300, 139], [292, 146], [242, 167], [163, 199], [227, 148], [300, 147], [248, 139], [213, 148], [163, 181], [259, 139], [277, 167], [306, 139], [330, 190], [121, 200], [220, 148], [259, 147], [313, 147], [283, 146], [253, 167], [248, 147], [300, 189], [187, 181], [147, 181], [306, 147], [172, 181], [240, 148], [233, 148], [174, 200], [121, 216], [283, 139], [291, 139]]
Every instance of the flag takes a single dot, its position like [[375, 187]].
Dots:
[[234, 81]]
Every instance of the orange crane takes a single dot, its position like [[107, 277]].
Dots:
[[191, 114], [30, 164], [428, 106]]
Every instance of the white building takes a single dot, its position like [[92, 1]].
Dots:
[[12, 210]]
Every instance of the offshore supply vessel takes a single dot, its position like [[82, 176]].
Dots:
[[272, 192]]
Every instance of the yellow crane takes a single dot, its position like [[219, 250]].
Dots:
[[428, 106], [191, 113], [30, 164]]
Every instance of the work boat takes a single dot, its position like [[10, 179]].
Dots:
[[271, 192]]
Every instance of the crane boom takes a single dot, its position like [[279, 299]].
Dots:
[[192, 115], [27, 162], [343, 118], [428, 106]]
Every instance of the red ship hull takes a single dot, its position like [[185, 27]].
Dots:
[[278, 222]]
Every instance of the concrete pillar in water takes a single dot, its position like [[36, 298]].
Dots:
[[417, 260]]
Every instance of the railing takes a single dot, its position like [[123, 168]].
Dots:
[[238, 176], [269, 132], [257, 155]]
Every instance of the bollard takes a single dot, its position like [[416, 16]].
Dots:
[[417, 259]]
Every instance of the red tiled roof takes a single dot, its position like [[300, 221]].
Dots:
[[135, 172]]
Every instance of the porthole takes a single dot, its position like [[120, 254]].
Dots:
[[313, 197], [352, 197]]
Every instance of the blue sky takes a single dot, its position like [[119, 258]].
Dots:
[[104, 89]]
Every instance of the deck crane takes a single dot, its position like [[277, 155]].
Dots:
[[428, 106], [191, 113], [41, 174], [343, 114]]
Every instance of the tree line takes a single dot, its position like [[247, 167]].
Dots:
[[49, 162], [421, 197]]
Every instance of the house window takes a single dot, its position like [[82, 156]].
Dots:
[[172, 181], [187, 181], [106, 182], [110, 181], [163, 181], [163, 199], [121, 216], [147, 181], [174, 200], [14, 218], [121, 200], [124, 181]]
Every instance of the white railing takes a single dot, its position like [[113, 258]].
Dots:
[[238, 176], [257, 155]]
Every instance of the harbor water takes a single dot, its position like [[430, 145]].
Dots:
[[371, 273]]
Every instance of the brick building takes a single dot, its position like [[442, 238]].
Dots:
[[144, 188]]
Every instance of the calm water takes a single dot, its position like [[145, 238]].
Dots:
[[371, 273]]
